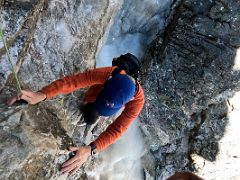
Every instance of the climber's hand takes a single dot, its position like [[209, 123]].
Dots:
[[29, 96], [74, 163]]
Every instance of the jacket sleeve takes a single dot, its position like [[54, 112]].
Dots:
[[74, 82], [120, 125]]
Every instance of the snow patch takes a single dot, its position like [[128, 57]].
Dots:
[[121, 160], [236, 66], [227, 162], [131, 43], [64, 36]]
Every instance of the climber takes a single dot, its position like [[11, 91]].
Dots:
[[111, 89]]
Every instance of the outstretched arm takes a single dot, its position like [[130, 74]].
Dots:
[[73, 82], [64, 85]]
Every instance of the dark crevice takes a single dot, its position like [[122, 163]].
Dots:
[[171, 21], [193, 133], [169, 30], [195, 129]]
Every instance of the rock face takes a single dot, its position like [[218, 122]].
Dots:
[[47, 40], [191, 71], [191, 76]]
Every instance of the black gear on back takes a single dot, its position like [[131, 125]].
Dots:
[[130, 64]]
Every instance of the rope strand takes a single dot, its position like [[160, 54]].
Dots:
[[10, 60]]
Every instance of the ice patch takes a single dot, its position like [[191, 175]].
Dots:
[[227, 163], [131, 43], [64, 36], [236, 66], [122, 159]]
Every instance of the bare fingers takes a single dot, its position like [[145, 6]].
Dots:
[[71, 167], [12, 100], [22, 95], [74, 170], [70, 161]]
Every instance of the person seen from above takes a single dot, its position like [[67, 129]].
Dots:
[[110, 89]]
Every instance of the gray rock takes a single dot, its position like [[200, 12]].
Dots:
[[47, 40], [189, 80]]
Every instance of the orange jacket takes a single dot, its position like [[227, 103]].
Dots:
[[96, 79]]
